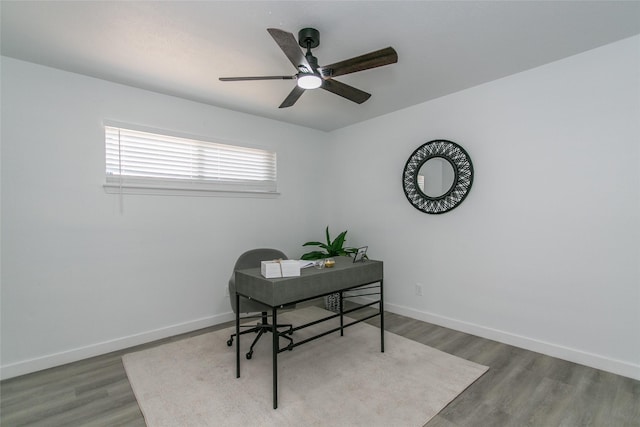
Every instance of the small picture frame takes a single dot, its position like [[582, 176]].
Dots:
[[361, 254]]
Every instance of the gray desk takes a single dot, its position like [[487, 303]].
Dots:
[[312, 283]]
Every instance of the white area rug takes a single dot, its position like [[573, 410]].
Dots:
[[332, 381]]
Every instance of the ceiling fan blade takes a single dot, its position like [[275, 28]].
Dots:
[[375, 59], [292, 97], [240, 79], [351, 93], [290, 47]]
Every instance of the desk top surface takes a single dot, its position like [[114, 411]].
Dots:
[[311, 283]]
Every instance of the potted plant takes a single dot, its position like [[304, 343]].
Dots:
[[332, 248]]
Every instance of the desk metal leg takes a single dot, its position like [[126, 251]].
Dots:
[[341, 316], [381, 318], [237, 297], [276, 338]]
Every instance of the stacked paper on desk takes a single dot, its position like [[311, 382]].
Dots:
[[279, 268]]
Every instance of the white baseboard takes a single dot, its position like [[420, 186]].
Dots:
[[57, 359], [618, 367]]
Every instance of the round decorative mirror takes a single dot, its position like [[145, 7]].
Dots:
[[437, 176]]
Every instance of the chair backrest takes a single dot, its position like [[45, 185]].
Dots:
[[251, 259]]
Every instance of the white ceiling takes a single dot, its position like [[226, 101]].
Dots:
[[181, 48]]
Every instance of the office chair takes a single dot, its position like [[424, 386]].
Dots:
[[251, 259]]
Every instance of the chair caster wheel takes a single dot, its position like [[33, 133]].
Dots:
[[249, 355], [230, 342]]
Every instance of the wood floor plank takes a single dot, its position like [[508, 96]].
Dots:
[[521, 388]]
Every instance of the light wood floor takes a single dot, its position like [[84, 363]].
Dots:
[[521, 388]]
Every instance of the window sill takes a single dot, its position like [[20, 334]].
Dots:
[[169, 188]]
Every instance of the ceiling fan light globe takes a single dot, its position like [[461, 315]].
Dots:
[[309, 81]]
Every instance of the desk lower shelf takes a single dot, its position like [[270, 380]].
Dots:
[[287, 334]]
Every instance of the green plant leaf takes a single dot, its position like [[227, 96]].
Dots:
[[313, 244], [338, 243]]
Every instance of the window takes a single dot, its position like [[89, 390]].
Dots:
[[144, 162]]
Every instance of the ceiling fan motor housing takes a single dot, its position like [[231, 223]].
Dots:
[[309, 38]]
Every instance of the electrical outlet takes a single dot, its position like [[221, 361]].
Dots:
[[419, 289]]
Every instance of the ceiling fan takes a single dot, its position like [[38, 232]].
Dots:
[[312, 76]]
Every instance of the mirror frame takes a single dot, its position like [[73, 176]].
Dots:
[[462, 180]]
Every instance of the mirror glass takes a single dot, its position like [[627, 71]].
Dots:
[[435, 177]]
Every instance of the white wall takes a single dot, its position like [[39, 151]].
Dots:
[[78, 277], [544, 251]]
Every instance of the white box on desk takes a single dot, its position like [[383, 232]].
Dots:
[[290, 268], [283, 268], [270, 269]]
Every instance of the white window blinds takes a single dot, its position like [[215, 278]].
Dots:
[[143, 160]]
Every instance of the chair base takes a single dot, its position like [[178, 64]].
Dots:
[[260, 329]]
